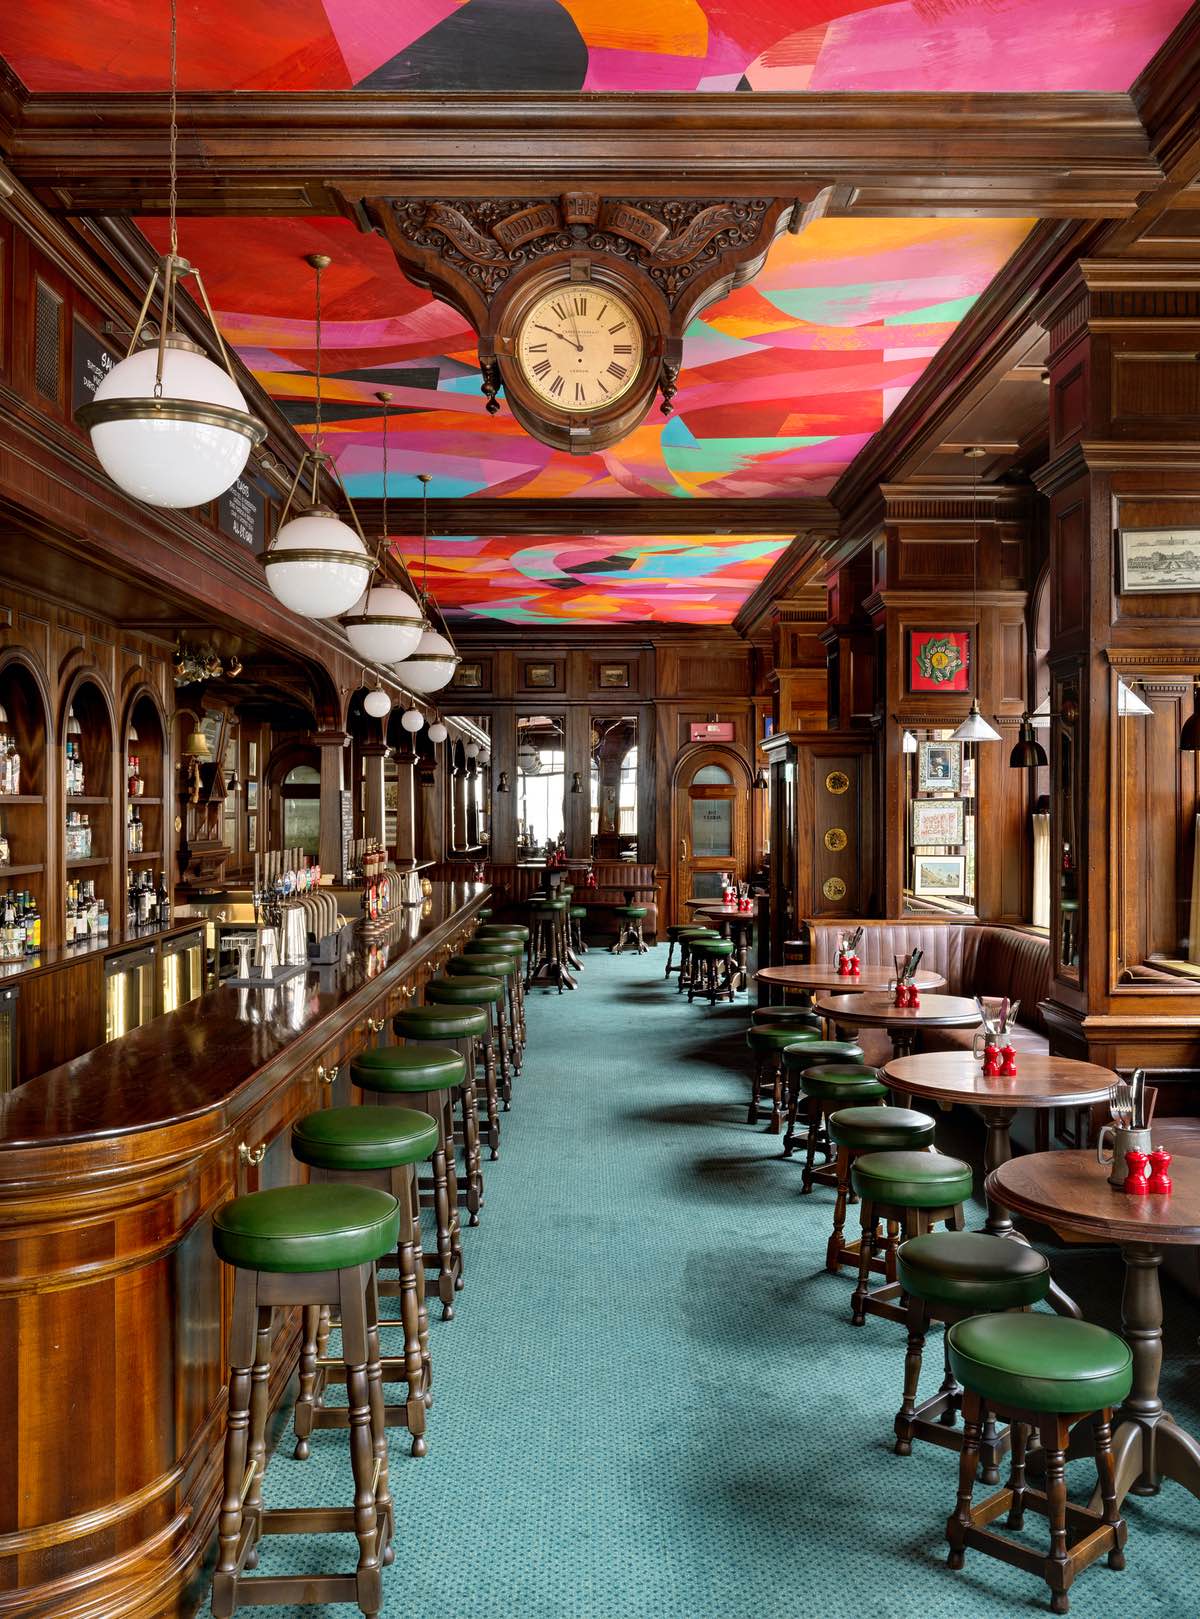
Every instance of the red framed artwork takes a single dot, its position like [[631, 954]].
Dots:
[[939, 661]]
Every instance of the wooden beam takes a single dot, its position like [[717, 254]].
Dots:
[[637, 515], [1077, 156]]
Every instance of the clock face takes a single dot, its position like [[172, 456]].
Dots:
[[580, 347]]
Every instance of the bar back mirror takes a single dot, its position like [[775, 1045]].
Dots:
[[613, 786], [470, 802], [541, 783]]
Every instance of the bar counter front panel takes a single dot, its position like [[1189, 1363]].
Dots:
[[113, 1305]]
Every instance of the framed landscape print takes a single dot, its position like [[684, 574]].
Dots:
[[939, 767], [939, 661], [936, 822], [613, 675], [539, 676], [1160, 559], [939, 876], [468, 674]]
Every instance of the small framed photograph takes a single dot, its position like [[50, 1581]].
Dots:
[[939, 767], [936, 823], [614, 676], [1160, 559], [541, 676], [939, 661], [939, 876], [468, 675], [252, 833], [252, 796], [251, 759]]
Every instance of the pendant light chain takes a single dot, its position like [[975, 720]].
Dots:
[[317, 433], [383, 539], [173, 198]]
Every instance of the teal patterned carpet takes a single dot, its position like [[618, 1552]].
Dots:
[[651, 1405]]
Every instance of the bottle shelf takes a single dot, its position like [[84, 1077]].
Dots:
[[20, 871], [72, 798], [141, 799], [155, 855], [87, 860], [7, 799]]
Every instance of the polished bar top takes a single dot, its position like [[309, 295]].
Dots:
[[191, 1061]]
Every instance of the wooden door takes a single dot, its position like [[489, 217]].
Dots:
[[711, 824]]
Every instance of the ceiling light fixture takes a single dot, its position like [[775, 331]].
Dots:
[[432, 665], [438, 732], [1028, 753], [168, 425], [908, 742], [317, 565], [385, 623], [975, 728], [412, 720]]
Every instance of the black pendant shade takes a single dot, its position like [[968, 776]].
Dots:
[[1028, 754]]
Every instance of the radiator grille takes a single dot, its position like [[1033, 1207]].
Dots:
[[47, 341]]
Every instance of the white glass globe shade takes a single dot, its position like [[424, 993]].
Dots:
[[431, 666], [472, 750], [412, 720], [438, 732], [165, 458], [377, 704], [384, 625], [331, 565]]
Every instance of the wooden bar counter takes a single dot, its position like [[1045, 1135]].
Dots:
[[113, 1306]]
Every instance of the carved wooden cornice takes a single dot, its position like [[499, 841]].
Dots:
[[1186, 660], [1081, 456], [483, 515], [1121, 295], [937, 503]]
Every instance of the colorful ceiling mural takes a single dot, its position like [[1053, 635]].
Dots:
[[591, 45], [783, 381], [665, 579]]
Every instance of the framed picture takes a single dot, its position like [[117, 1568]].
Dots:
[[939, 661], [251, 796], [1160, 559], [939, 767], [252, 833], [939, 876], [543, 676], [613, 675], [251, 759], [468, 674], [936, 822]]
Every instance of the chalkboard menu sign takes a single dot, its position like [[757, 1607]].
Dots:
[[242, 514], [91, 361]]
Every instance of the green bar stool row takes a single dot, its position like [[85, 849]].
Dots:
[[859, 1128], [685, 942], [514, 950], [824, 1080], [712, 970], [676, 933], [477, 991], [461, 1027]]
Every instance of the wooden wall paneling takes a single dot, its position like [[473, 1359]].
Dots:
[[649, 768], [578, 805], [504, 805]]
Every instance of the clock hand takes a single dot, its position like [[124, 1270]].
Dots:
[[560, 335]]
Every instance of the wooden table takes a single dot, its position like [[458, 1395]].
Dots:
[[821, 975], [872, 1010], [1069, 1192], [736, 925], [1041, 1081]]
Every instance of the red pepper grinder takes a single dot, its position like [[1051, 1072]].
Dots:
[[855, 967], [901, 994], [1160, 1182], [1137, 1181], [914, 996], [843, 964], [991, 1060], [1008, 1061]]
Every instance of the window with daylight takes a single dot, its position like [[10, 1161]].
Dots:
[[627, 792]]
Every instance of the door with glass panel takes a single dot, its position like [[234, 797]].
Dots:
[[711, 826]]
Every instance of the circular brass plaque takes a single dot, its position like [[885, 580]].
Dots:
[[836, 839], [834, 888], [179, 823], [837, 781]]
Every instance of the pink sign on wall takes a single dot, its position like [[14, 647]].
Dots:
[[711, 731]]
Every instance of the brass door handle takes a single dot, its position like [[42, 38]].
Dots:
[[683, 848], [375, 1024], [327, 1075], [248, 1157], [406, 992]]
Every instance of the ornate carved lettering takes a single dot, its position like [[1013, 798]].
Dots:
[[623, 219], [580, 207], [452, 222], [526, 225]]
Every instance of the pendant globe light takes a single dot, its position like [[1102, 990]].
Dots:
[[385, 623], [317, 565], [974, 728], [432, 665], [168, 425]]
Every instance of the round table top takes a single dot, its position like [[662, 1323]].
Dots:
[[727, 913], [823, 975], [1069, 1192], [873, 1010], [1040, 1080]]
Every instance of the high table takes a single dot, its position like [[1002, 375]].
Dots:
[[1069, 1192], [904, 1023], [818, 975], [736, 925], [1041, 1081]]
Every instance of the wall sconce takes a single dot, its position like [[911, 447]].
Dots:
[[760, 780], [576, 781], [502, 785], [1028, 753], [908, 742]]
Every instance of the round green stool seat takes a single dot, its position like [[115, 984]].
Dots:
[[972, 1269], [307, 1228], [631, 910], [399, 1069], [578, 913], [918, 1180], [512, 948], [489, 966], [565, 890], [484, 913], [473, 989], [844, 1054], [364, 1137], [840, 1082], [441, 1022], [712, 947], [683, 930], [1040, 1362], [547, 907], [778, 1037], [504, 930], [881, 1129], [802, 1016]]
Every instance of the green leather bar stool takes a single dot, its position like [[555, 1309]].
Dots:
[[374, 1147], [547, 948], [577, 915], [429, 1078], [844, 1054], [685, 942], [629, 925], [507, 931], [910, 1192], [1044, 1372], [854, 1130], [822, 1085], [675, 934], [515, 951], [947, 1276], [505, 968], [460, 1027], [768, 1042], [798, 1016], [484, 912], [303, 1245], [712, 970], [486, 993]]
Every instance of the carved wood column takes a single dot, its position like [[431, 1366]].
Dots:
[[405, 824], [372, 755], [332, 746]]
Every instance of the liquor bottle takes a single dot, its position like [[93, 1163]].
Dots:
[[10, 764], [33, 926], [164, 900], [5, 852], [131, 905]]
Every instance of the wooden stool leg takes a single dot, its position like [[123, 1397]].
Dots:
[[422, 1307], [755, 1091], [260, 1380], [1058, 1565], [670, 954], [960, 1519], [491, 1091], [444, 1208], [866, 1249], [410, 1266], [791, 1098], [1107, 1480], [777, 1095], [833, 1262], [308, 1376], [242, 1341], [383, 1494], [355, 1355], [918, 1326], [1016, 1476], [816, 1119], [473, 1167]]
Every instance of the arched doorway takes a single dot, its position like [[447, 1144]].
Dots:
[[710, 825]]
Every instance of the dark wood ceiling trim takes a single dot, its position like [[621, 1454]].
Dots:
[[635, 515], [1077, 156]]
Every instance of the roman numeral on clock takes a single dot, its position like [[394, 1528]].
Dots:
[[560, 311], [537, 348], [556, 387], [580, 304], [619, 327], [622, 348], [542, 370], [618, 371], [580, 396]]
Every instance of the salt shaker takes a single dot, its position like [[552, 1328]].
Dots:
[[1160, 1182], [1137, 1182]]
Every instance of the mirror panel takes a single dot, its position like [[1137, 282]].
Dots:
[[613, 786]]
